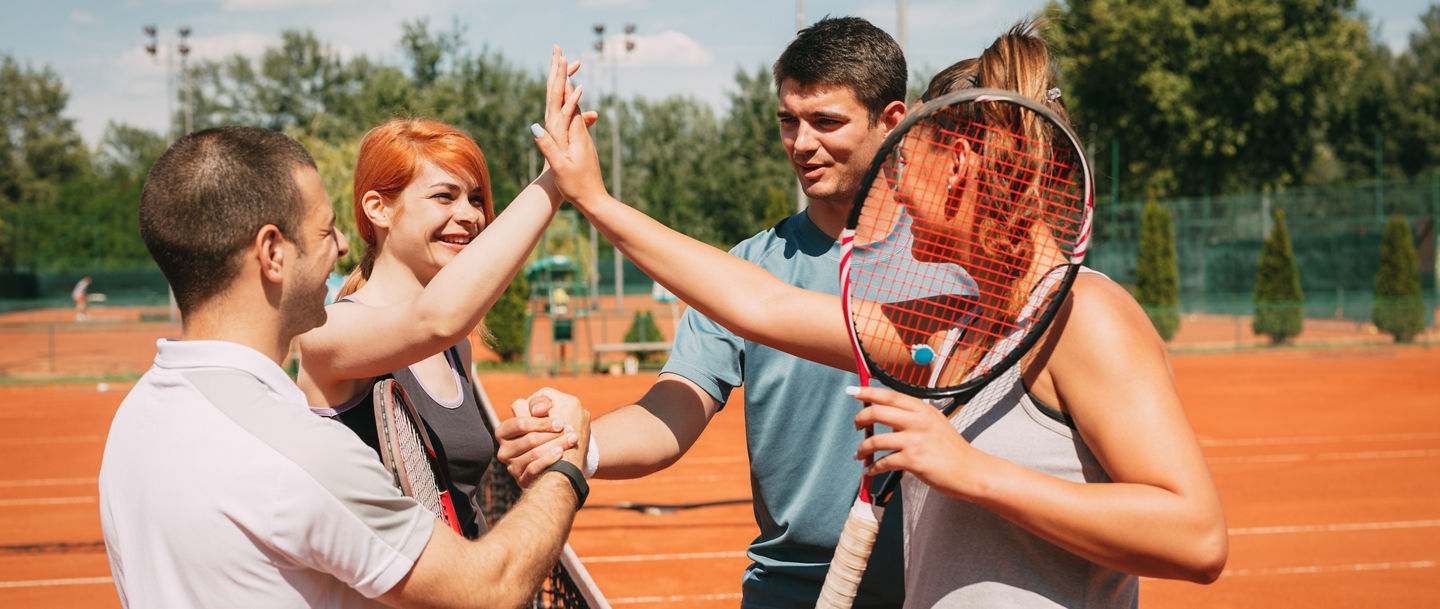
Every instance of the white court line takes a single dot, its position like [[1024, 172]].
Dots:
[[48, 482], [1393, 437], [50, 440], [653, 480], [711, 460], [653, 557], [73, 581], [1335, 528], [676, 598], [1353, 456], [46, 501], [1310, 570]]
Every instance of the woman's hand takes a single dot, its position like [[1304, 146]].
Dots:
[[565, 138], [923, 442]]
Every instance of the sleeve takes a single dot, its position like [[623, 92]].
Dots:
[[343, 516], [708, 355]]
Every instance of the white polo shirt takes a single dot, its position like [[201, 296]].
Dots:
[[219, 488]]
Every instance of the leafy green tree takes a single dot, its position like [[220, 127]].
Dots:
[[1399, 303], [505, 324], [1279, 303], [753, 164], [1226, 94], [1157, 282], [1360, 108], [670, 168], [39, 150], [1418, 101]]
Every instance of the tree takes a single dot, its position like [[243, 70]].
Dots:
[[39, 150], [1157, 282], [1202, 92], [505, 324], [1360, 109], [1279, 303], [753, 164], [1418, 101], [1399, 303], [643, 329]]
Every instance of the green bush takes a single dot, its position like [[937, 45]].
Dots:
[[1278, 300], [643, 329], [505, 323], [1399, 305], [1157, 282]]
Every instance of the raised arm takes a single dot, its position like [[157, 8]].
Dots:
[[735, 293], [363, 340]]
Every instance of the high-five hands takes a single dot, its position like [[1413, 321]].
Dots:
[[565, 140]]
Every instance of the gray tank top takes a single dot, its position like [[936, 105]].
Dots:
[[458, 431], [958, 554]]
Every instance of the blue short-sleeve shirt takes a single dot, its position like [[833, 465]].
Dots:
[[800, 431]]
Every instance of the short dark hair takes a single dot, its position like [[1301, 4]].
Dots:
[[208, 195], [847, 51]]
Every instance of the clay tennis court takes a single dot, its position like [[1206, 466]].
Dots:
[[1328, 461]]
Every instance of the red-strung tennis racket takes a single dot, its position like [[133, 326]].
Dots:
[[966, 234], [405, 448]]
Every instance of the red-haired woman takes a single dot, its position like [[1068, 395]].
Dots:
[[436, 258]]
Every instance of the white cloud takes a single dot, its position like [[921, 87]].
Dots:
[[83, 18], [614, 3], [271, 5], [668, 49]]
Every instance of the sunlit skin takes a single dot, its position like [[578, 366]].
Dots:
[[1101, 362], [433, 219], [320, 245]]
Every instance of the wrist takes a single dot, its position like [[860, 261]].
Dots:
[[592, 459], [575, 477]]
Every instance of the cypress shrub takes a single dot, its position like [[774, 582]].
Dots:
[[1399, 307], [1157, 281], [643, 329], [505, 323], [1278, 299]]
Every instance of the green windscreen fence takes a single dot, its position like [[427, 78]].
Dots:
[[1335, 234]]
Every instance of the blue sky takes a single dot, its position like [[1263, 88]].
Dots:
[[682, 47]]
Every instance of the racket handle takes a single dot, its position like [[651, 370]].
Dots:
[[851, 555]]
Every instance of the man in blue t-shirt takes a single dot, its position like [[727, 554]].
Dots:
[[841, 86]]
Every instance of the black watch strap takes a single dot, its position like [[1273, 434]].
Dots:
[[577, 480]]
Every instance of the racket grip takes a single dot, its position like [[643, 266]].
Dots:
[[851, 555]]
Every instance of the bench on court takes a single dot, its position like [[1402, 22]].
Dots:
[[630, 363]]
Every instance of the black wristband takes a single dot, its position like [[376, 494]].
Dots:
[[577, 480]]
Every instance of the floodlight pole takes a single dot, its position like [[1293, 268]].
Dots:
[[154, 49], [616, 161]]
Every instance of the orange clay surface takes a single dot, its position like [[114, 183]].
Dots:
[[1328, 462]]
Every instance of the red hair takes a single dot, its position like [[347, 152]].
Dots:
[[391, 156]]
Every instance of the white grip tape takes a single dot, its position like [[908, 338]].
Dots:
[[851, 555]]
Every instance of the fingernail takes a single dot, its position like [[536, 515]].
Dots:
[[852, 390], [556, 425], [555, 451], [572, 439], [537, 131]]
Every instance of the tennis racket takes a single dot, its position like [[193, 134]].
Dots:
[[406, 451], [964, 239]]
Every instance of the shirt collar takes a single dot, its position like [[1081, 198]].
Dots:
[[179, 354]]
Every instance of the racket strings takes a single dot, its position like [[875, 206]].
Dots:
[[991, 193]]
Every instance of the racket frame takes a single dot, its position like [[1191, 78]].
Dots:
[[968, 388], [391, 403]]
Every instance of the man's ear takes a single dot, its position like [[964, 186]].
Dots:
[[375, 209], [269, 252], [891, 116]]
